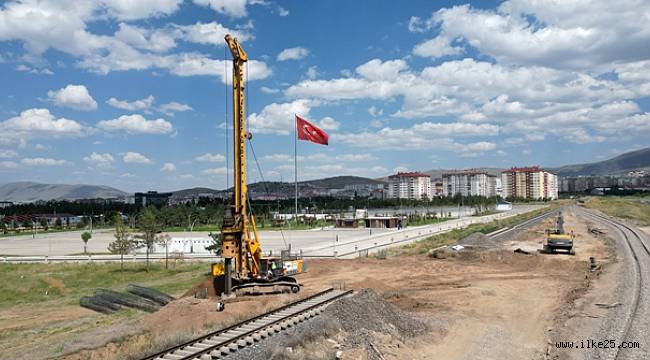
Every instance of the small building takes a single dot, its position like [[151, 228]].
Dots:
[[384, 222], [346, 223], [5, 204]]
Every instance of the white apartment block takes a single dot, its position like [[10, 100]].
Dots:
[[409, 185], [469, 183], [529, 183]]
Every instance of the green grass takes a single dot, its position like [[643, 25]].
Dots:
[[422, 246], [628, 207], [66, 283]]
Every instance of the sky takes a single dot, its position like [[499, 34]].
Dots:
[[136, 94]]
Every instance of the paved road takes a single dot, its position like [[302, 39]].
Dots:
[[313, 242]]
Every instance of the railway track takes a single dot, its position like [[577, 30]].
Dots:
[[220, 343], [636, 324], [522, 225]]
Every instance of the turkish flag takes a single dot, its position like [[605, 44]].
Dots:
[[310, 132]]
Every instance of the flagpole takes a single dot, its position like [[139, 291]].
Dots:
[[295, 166]]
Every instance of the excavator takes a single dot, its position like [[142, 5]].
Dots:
[[244, 266], [558, 239]]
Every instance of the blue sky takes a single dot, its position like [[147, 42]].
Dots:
[[132, 94]]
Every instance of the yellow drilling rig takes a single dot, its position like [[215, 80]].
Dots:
[[244, 267]]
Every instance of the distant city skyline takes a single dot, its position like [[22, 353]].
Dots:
[[134, 96]]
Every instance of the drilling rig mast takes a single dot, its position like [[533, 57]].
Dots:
[[239, 237]]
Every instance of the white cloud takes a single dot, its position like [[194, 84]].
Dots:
[[328, 123], [8, 153], [437, 47], [168, 167], [127, 176], [355, 157], [39, 161], [142, 104], [425, 135], [8, 165], [282, 11], [73, 96], [136, 124], [312, 72], [38, 123], [135, 158], [195, 64], [174, 107], [279, 118], [294, 53], [375, 112], [208, 157], [215, 171], [575, 35], [100, 160], [141, 9], [280, 157], [209, 33], [159, 40], [233, 8], [267, 90]]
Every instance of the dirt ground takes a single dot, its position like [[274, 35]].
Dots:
[[488, 304]]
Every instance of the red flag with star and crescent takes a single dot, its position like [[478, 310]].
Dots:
[[310, 132]]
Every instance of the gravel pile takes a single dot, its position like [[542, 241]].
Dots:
[[367, 311], [477, 240]]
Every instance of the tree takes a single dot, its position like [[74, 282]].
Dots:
[[3, 226], [123, 243], [27, 223], [44, 224], [85, 236], [58, 224], [149, 227], [215, 246], [164, 240]]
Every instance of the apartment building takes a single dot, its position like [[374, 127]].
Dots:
[[409, 185], [529, 183], [469, 183]]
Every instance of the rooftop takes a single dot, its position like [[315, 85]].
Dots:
[[410, 174]]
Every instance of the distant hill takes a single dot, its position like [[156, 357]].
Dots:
[[31, 191], [634, 160], [263, 187], [339, 182]]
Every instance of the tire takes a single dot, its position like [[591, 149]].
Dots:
[[295, 289]]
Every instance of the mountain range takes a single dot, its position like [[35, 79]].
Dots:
[[26, 191], [31, 191], [621, 164]]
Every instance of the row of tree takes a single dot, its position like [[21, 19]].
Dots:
[[146, 236]]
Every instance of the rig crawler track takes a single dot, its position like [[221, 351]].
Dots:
[[222, 342], [637, 323]]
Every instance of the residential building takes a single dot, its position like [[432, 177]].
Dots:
[[529, 183], [469, 183], [409, 185], [5, 204]]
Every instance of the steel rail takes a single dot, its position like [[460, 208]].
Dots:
[[621, 227], [205, 344]]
